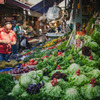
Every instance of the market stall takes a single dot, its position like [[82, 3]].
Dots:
[[64, 68]]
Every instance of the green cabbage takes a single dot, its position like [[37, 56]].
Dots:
[[45, 79], [63, 84], [73, 68], [39, 73], [90, 63], [94, 74], [32, 74], [17, 90], [54, 71], [87, 69], [93, 45], [37, 79], [24, 95], [71, 94], [25, 80], [90, 92], [95, 57], [79, 80], [51, 91], [87, 39]]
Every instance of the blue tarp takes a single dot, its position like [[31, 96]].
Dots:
[[43, 9]]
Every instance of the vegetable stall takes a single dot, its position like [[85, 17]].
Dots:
[[57, 73]]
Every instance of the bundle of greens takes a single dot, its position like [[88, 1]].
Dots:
[[72, 94], [6, 85], [52, 91], [96, 34], [94, 74], [79, 80], [92, 20], [72, 68], [90, 92]]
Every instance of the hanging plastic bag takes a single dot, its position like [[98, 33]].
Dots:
[[53, 13]]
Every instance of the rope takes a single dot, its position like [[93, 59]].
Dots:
[[43, 6]]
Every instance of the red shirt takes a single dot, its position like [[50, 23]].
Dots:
[[9, 36]]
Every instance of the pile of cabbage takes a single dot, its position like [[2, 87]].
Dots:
[[33, 77], [77, 79], [73, 88]]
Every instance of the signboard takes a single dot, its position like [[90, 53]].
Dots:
[[2, 2]]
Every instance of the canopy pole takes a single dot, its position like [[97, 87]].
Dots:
[[43, 6], [74, 16], [65, 4], [81, 14]]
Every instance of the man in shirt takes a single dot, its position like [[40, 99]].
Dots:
[[7, 38]]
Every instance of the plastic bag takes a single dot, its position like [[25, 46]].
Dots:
[[23, 43], [15, 57], [53, 13]]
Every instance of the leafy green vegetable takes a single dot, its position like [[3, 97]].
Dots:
[[25, 80], [6, 85], [79, 80], [87, 69], [96, 34], [24, 95], [17, 90], [90, 92], [63, 84], [90, 63], [54, 71], [73, 68], [94, 74], [87, 39], [95, 57], [39, 73], [32, 74], [45, 79], [52, 91], [93, 45], [72, 94], [92, 20]]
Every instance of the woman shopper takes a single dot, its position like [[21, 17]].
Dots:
[[7, 38]]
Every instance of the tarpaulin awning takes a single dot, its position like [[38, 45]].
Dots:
[[41, 8], [2, 2], [13, 2]]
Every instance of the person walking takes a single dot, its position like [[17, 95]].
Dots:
[[7, 38]]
